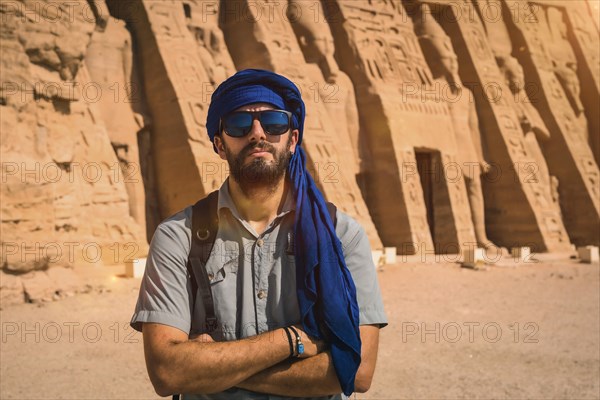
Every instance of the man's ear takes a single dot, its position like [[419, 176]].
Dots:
[[295, 135], [220, 146]]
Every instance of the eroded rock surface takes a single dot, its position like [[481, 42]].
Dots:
[[437, 124]]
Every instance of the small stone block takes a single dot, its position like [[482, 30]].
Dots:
[[390, 255], [521, 254], [135, 268], [588, 254], [473, 257]]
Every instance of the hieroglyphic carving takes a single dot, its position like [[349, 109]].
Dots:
[[458, 194], [593, 8], [506, 146], [396, 93], [563, 58], [586, 38], [178, 89], [416, 213], [165, 20], [270, 43], [443, 62], [317, 45], [532, 125], [202, 21], [586, 43], [568, 144]]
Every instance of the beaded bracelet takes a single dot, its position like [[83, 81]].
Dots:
[[299, 345]]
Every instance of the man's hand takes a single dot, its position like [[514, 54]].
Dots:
[[203, 338]]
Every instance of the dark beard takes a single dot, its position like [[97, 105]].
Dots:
[[259, 173]]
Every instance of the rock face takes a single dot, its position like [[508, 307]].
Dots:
[[437, 124], [549, 62], [413, 203], [506, 146], [64, 200], [109, 59], [177, 88], [584, 38], [443, 62], [270, 43]]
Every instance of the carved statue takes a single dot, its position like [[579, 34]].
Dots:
[[109, 61], [443, 62], [563, 59], [534, 129], [318, 47], [212, 50]]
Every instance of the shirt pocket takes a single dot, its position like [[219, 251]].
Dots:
[[220, 265], [228, 270]]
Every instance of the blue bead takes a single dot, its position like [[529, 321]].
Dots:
[[300, 348]]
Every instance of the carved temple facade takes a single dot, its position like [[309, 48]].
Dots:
[[436, 124]]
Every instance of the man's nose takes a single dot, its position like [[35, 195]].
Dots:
[[257, 132]]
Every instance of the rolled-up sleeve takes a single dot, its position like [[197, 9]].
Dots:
[[357, 252], [165, 291]]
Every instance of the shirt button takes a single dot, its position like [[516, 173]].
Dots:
[[211, 277], [260, 242], [261, 294]]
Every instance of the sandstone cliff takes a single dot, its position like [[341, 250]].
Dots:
[[436, 124]]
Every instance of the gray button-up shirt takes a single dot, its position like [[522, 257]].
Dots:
[[252, 277]]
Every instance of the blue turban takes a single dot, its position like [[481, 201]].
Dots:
[[325, 289]]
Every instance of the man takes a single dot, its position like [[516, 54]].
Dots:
[[276, 263]]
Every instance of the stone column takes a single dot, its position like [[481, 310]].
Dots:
[[569, 156]]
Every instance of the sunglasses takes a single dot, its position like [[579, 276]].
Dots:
[[239, 123]]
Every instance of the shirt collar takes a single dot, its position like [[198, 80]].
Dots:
[[225, 201]]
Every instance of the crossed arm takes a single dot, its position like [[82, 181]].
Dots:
[[177, 364]]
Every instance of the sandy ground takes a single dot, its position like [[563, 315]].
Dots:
[[514, 332]]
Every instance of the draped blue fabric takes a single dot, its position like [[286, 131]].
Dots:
[[325, 289]]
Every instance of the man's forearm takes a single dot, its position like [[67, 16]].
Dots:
[[194, 366], [311, 377]]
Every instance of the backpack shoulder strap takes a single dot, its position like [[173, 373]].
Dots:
[[205, 224]]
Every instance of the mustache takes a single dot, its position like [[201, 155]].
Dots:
[[263, 146]]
